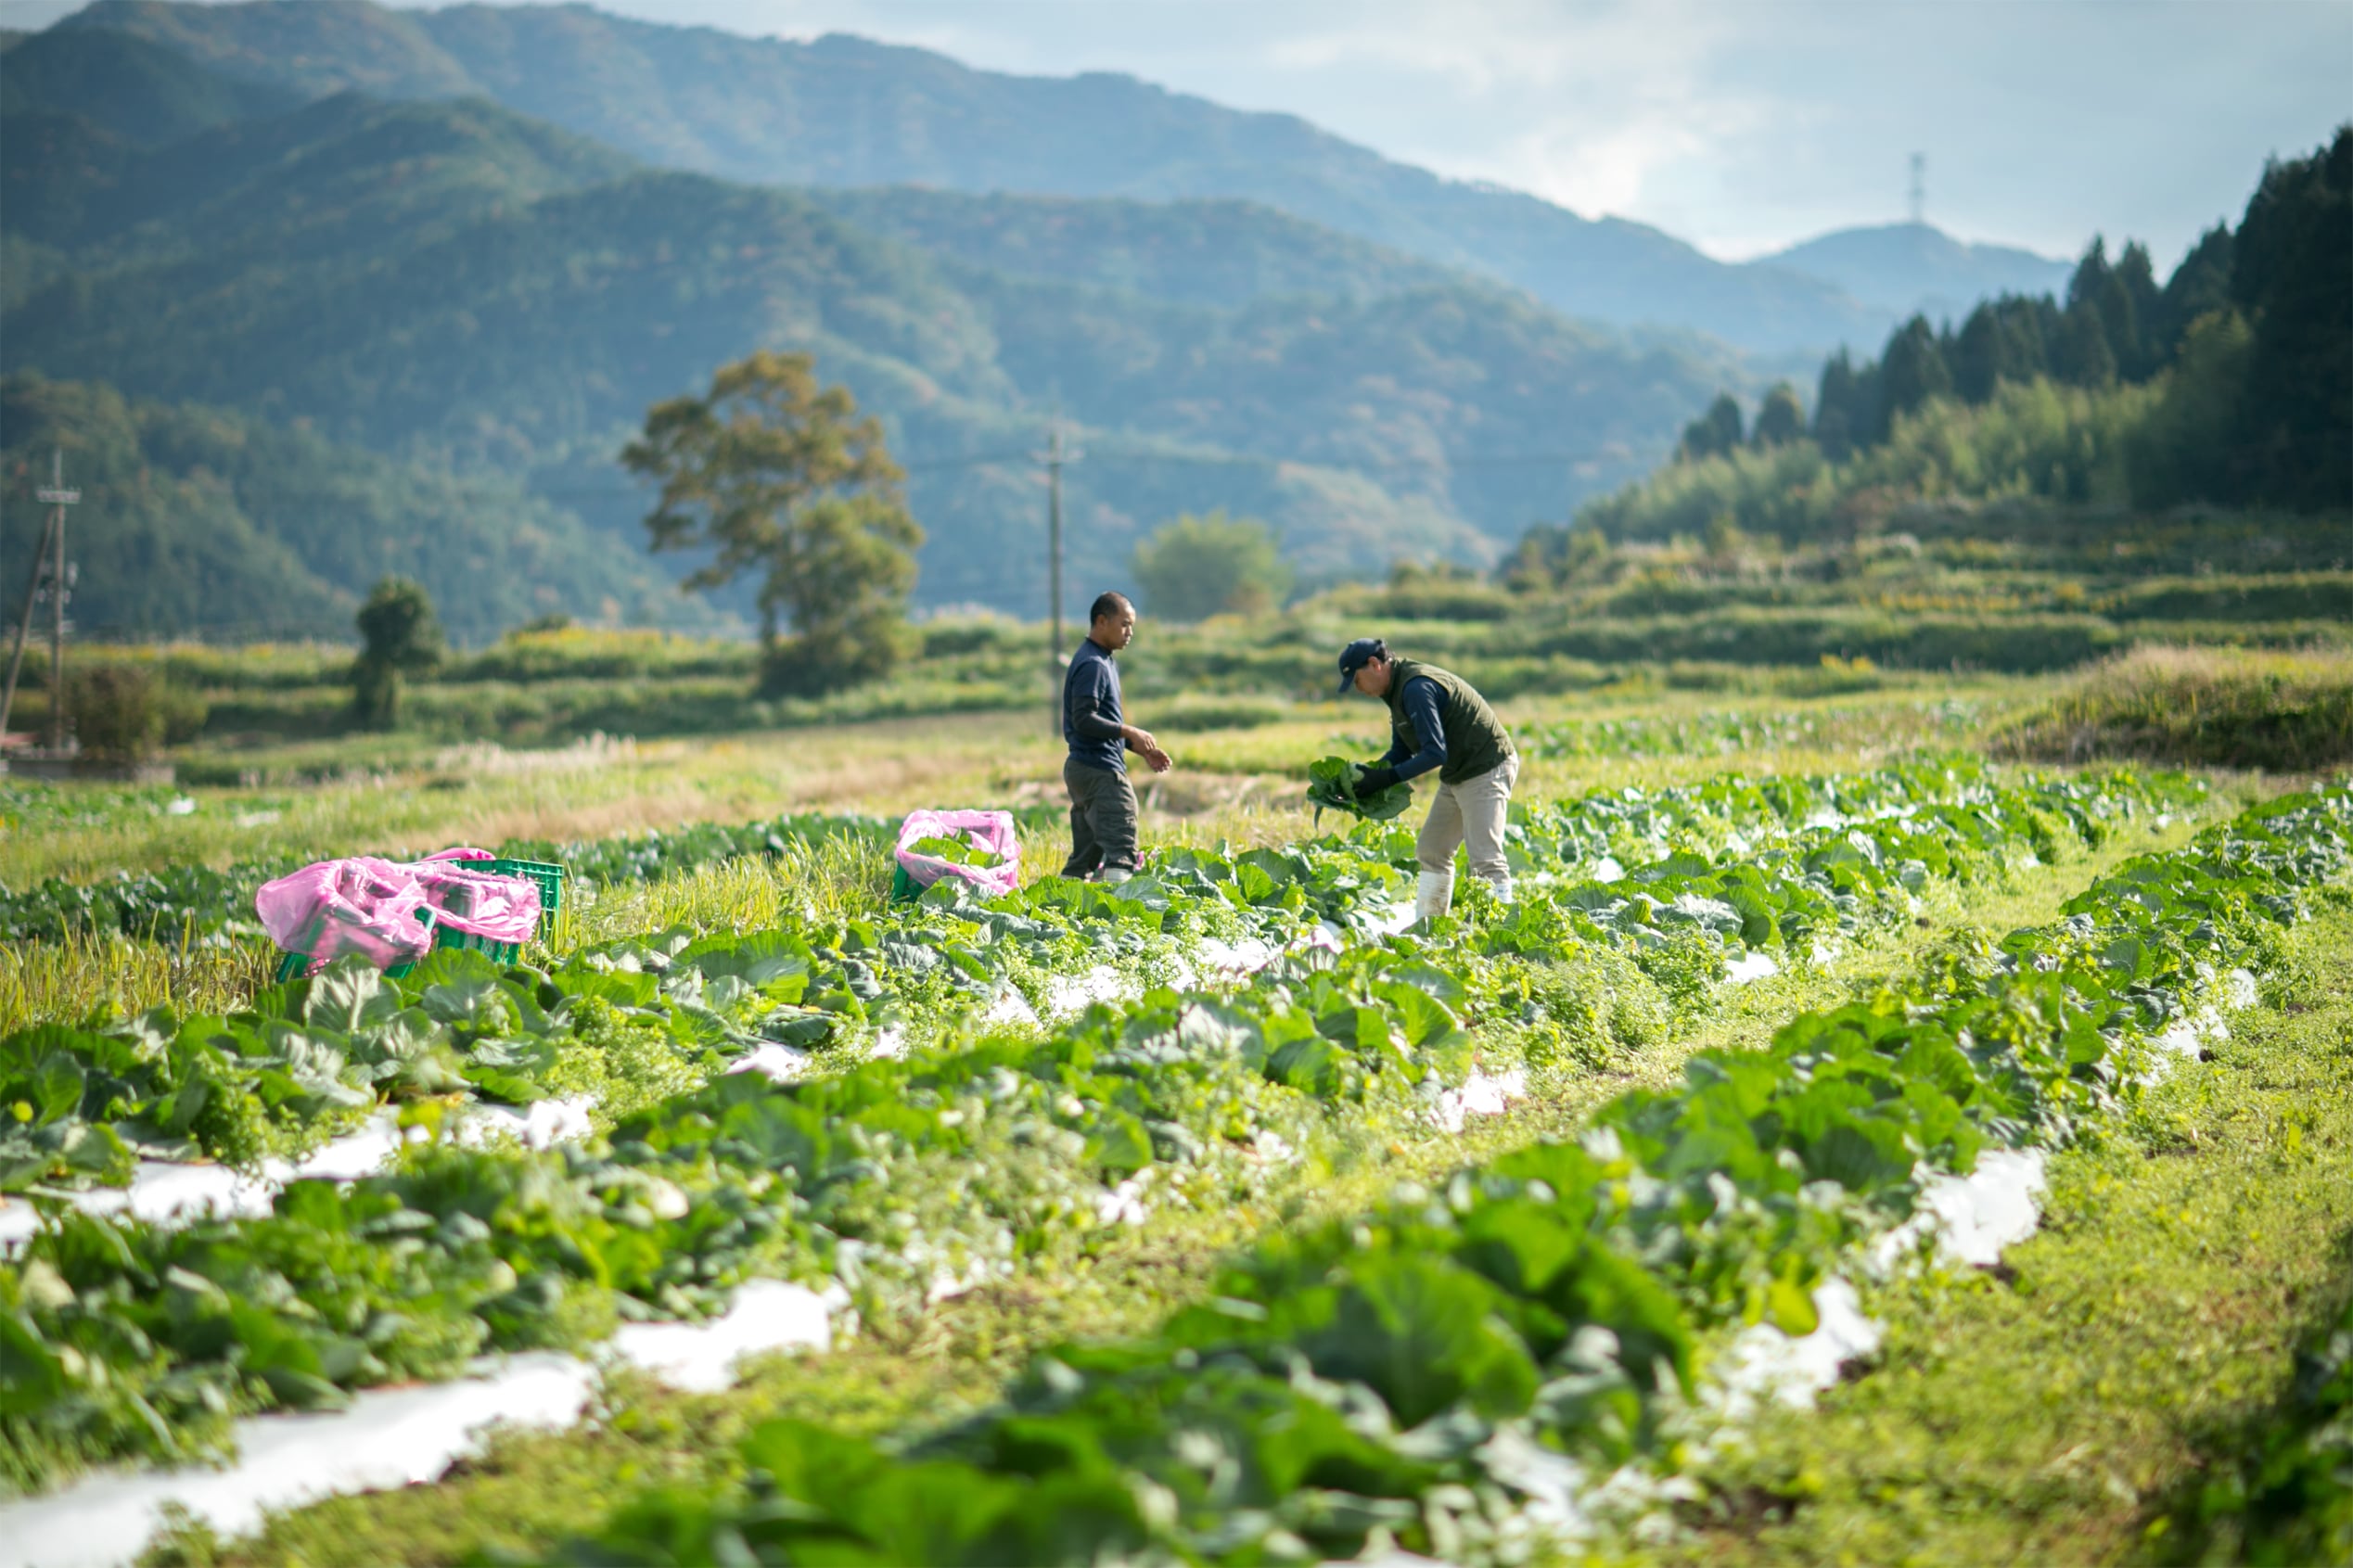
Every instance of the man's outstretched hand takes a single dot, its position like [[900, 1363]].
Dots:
[[1144, 746], [1372, 778]]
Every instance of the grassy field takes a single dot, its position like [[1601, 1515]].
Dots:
[[2055, 1409], [2066, 1406], [1905, 596]]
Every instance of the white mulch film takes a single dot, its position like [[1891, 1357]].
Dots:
[[395, 1436], [163, 1191]]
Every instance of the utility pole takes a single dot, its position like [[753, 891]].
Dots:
[[50, 555], [1054, 458]]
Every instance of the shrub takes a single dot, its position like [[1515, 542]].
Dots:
[[118, 710], [185, 712], [2289, 712], [828, 658]]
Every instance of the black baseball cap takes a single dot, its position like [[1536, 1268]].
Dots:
[[1356, 656]]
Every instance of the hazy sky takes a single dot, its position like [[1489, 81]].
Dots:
[[1742, 126]]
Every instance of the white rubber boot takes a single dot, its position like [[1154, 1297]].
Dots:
[[1434, 895], [1502, 886], [1114, 875]]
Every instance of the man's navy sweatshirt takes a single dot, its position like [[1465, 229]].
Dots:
[[1091, 716], [1420, 698]]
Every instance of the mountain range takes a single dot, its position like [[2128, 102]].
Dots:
[[846, 111], [274, 211], [1904, 268]]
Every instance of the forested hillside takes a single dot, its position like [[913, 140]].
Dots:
[[846, 111], [2228, 385], [195, 520], [1186, 252], [453, 283]]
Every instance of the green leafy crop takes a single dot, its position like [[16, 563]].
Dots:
[[1369, 1383], [1332, 783], [959, 849], [985, 1146]]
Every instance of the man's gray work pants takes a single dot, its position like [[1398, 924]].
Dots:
[[1103, 819], [1470, 815]]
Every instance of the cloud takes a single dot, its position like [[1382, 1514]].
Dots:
[[1604, 108], [1741, 125]]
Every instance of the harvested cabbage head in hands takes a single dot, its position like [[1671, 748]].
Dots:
[[1332, 783]]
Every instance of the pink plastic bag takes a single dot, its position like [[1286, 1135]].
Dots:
[[992, 831], [362, 905], [498, 909], [387, 912]]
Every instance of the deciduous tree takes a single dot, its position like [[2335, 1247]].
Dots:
[[1198, 567], [780, 478]]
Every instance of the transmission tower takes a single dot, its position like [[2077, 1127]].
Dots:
[[1919, 192]]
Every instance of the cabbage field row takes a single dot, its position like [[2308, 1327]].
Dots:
[[901, 1104], [1416, 1376]]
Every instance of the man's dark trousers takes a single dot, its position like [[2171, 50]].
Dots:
[[1103, 819]]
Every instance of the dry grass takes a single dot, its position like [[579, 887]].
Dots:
[[2289, 712], [85, 975]]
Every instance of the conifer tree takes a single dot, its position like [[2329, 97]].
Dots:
[[1845, 411], [2202, 283], [2079, 351], [1781, 420], [1913, 369], [1976, 358], [2291, 277], [1714, 432], [2134, 299]]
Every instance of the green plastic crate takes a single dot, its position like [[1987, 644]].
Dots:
[[290, 965], [550, 878]]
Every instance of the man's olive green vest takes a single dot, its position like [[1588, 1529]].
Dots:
[[1475, 740]]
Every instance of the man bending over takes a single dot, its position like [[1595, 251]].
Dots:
[[1437, 719]]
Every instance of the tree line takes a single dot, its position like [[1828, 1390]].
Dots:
[[2252, 337]]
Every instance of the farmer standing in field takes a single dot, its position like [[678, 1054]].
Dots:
[[1102, 808], [1437, 720]]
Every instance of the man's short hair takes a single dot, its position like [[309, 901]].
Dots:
[[1106, 606]]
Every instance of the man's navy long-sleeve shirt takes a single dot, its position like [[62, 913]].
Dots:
[[1420, 698], [1091, 714]]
